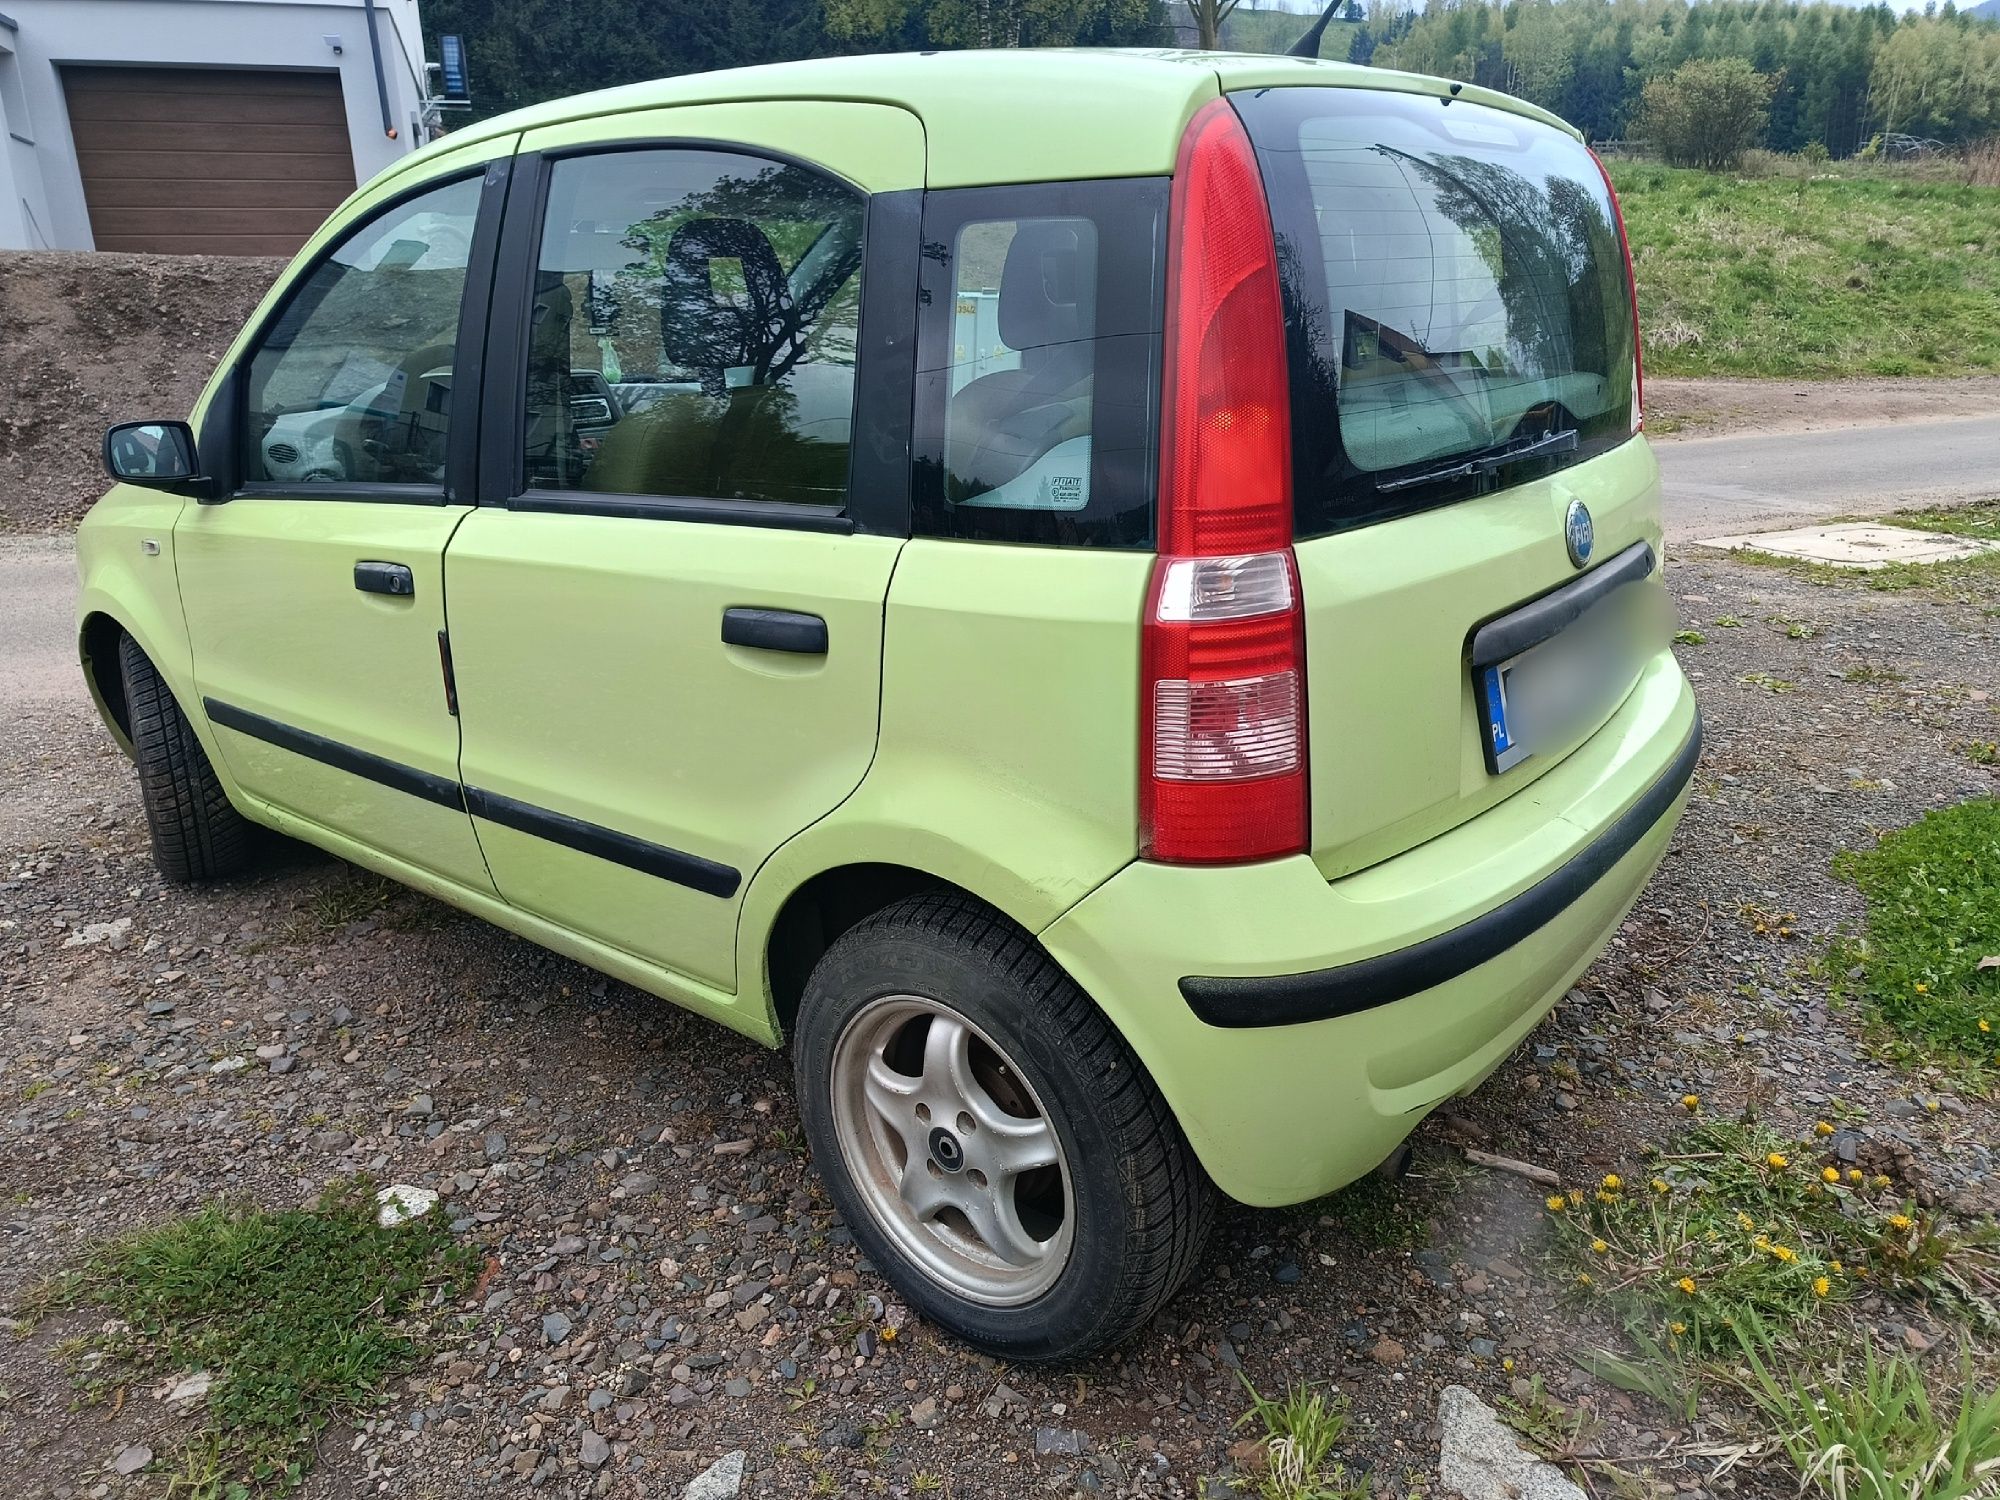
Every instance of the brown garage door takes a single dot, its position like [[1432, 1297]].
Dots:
[[208, 161]]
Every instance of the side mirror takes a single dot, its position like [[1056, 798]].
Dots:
[[158, 455]]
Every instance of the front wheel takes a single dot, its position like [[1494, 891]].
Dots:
[[196, 834], [990, 1139]]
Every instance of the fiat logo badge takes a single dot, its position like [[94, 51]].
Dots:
[[1578, 533]]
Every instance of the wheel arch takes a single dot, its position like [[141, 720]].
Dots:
[[98, 635]]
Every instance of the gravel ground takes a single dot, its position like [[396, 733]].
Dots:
[[667, 1281]]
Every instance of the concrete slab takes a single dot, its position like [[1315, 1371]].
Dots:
[[1855, 544]]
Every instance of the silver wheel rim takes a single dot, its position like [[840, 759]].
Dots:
[[952, 1151]]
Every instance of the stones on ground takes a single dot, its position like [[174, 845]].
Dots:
[[719, 1481], [1386, 1351], [401, 1202], [1059, 1442], [594, 1452], [1480, 1458], [555, 1327], [191, 1387], [131, 1460], [925, 1416]]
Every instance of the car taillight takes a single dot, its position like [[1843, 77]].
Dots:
[[1632, 290], [1223, 737]]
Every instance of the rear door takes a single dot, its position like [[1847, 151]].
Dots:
[[314, 594], [1464, 405], [667, 624]]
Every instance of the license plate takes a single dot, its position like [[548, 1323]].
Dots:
[[1563, 687]]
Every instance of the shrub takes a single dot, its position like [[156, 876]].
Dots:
[[1707, 113]]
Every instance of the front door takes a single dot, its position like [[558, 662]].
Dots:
[[668, 630], [315, 594]]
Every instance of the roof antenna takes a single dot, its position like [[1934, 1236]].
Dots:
[[1308, 45], [1456, 88]]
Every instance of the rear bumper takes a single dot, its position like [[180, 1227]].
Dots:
[[1300, 1028]]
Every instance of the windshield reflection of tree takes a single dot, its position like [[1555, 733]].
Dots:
[[1540, 244]]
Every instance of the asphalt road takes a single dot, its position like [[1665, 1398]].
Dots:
[[1728, 485]]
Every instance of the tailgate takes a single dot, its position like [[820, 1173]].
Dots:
[[1396, 738]]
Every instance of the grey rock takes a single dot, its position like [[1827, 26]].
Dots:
[[595, 1452], [555, 1327], [420, 1106], [1481, 1460], [1059, 1442], [131, 1460], [925, 1415], [719, 1481]]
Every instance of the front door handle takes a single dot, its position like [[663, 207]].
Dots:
[[385, 578], [774, 630]]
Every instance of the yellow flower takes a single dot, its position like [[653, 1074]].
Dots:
[[1745, 1220], [1557, 1203], [1785, 1253], [1762, 1242], [1984, 1024], [1829, 1174], [1923, 989], [1822, 1130], [1677, 1328], [1900, 1222], [1838, 1268], [1507, 1364], [1661, 1185], [1881, 1179], [1854, 1174], [1821, 1286], [1686, 1284], [1690, 1102], [889, 1335], [1777, 1161], [1583, 1278], [1604, 1197], [1600, 1247], [1612, 1181]]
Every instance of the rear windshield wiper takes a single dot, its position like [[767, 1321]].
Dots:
[[1485, 463]]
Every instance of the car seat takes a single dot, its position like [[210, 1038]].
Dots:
[[998, 425]]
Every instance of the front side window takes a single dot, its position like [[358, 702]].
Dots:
[[1455, 292], [352, 383], [693, 329], [1038, 362]]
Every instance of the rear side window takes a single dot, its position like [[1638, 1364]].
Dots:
[[1038, 363], [1459, 317], [693, 329]]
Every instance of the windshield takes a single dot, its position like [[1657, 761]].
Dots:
[[1455, 293]]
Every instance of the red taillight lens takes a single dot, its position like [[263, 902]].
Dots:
[[1632, 288], [1223, 742]]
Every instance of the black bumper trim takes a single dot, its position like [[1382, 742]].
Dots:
[[690, 870], [1540, 619], [1321, 994]]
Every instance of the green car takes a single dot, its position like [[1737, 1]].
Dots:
[[1111, 601]]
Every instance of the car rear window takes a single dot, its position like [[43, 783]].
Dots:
[[1455, 293]]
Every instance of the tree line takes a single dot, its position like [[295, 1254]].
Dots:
[[1835, 77]]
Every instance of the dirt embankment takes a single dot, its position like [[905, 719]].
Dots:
[[91, 339]]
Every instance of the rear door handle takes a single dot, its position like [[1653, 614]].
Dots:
[[385, 578], [774, 630]]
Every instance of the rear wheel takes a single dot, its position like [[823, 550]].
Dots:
[[197, 835], [993, 1143]]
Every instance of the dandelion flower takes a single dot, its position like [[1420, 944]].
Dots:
[[1690, 1102], [1900, 1222], [1686, 1284], [1777, 1161], [1785, 1253], [1984, 1024], [1677, 1328], [1830, 1174], [889, 1334], [1613, 1181], [1838, 1268], [1557, 1203], [1854, 1174], [1881, 1179], [1661, 1185], [1507, 1364], [1583, 1278], [1599, 1247], [1821, 1286], [1822, 1130], [1745, 1220]]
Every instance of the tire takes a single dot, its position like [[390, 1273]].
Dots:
[[197, 835], [941, 1012]]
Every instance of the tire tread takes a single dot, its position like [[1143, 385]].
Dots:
[[196, 833]]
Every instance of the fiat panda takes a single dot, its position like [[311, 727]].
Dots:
[[1109, 601]]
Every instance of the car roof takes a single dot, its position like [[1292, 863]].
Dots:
[[1068, 113]]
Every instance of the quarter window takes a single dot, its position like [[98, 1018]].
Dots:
[[693, 329], [353, 382]]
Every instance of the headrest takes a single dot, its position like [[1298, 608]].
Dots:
[[1048, 287], [700, 330]]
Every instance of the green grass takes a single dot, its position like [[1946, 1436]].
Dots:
[[1875, 1432], [1299, 1431], [1980, 520], [1933, 892], [1858, 275], [301, 1315]]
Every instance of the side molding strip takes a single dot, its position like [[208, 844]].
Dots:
[[690, 870], [439, 789]]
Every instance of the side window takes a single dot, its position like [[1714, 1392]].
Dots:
[[1038, 359], [352, 383], [693, 331]]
